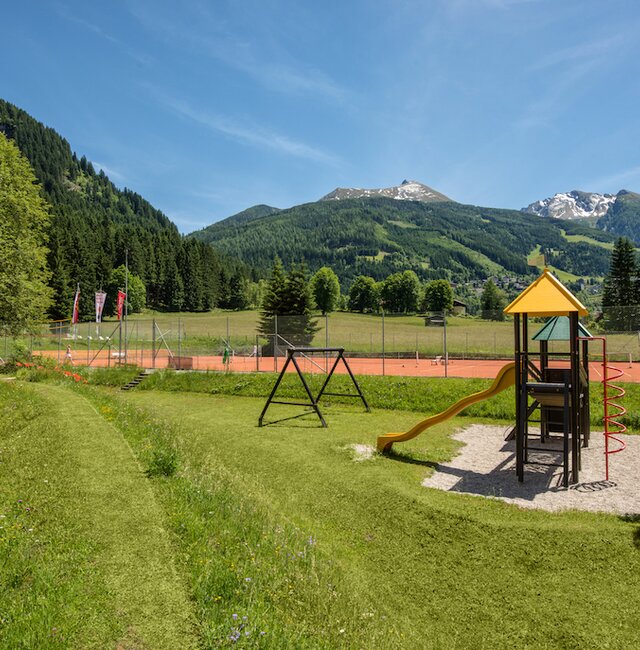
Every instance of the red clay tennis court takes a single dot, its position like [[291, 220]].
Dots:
[[481, 368]]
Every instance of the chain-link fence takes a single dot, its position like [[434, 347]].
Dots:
[[429, 344]]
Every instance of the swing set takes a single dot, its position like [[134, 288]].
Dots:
[[293, 354]]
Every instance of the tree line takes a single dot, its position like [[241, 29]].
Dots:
[[93, 226], [290, 298]]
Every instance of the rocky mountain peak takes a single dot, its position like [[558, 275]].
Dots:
[[408, 190], [573, 205]]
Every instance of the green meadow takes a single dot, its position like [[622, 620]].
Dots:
[[206, 333], [165, 518]]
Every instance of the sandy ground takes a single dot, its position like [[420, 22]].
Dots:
[[486, 467]]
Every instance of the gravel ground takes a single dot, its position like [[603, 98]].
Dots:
[[486, 467]]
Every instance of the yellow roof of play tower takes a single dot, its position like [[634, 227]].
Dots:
[[546, 296]]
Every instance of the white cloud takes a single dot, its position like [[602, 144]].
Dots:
[[592, 50], [64, 12], [214, 36], [617, 181], [251, 134], [113, 174]]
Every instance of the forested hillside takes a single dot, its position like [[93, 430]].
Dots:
[[623, 217], [378, 236], [93, 223]]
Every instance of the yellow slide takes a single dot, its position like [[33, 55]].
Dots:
[[504, 379]]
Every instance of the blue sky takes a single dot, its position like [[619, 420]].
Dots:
[[208, 107]]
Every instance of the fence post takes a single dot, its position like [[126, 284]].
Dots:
[[383, 343], [59, 341], [257, 353], [275, 343], [153, 345], [446, 351], [179, 346], [326, 342]]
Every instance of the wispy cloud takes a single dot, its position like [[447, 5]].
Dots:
[[64, 12], [465, 6], [215, 38], [579, 53], [112, 173], [618, 180], [249, 134]]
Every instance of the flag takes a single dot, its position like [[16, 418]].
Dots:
[[121, 298], [76, 306], [101, 296]]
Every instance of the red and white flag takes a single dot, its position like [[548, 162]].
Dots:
[[76, 306], [101, 296], [120, 304]]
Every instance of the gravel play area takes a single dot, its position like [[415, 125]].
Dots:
[[486, 467]]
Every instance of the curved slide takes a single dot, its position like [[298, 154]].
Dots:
[[504, 379]]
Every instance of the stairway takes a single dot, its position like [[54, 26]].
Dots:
[[135, 381]]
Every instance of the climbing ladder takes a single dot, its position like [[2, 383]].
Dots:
[[611, 419]]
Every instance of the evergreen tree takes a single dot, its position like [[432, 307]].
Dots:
[[238, 292], [438, 296], [62, 293], [287, 307], [325, 288], [621, 295], [24, 294], [492, 302], [273, 300]]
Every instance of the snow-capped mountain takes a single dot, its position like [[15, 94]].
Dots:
[[406, 191], [573, 205]]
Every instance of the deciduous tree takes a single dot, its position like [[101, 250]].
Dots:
[[24, 294]]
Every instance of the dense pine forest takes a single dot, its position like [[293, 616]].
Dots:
[[379, 236], [94, 225]]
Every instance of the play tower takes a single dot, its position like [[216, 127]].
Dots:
[[551, 387]]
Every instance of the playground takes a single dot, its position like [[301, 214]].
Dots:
[[187, 524]]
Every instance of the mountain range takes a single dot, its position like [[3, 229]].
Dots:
[[355, 231]]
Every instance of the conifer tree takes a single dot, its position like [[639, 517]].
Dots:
[[287, 307], [621, 294]]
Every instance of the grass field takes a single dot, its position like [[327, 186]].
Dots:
[[205, 334], [163, 519]]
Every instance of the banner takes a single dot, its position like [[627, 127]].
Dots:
[[101, 296], [121, 298], [76, 306]]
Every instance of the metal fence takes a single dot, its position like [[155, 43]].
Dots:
[[433, 343]]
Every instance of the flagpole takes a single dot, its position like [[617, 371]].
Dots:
[[76, 309], [126, 300]]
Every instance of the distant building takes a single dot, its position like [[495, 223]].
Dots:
[[459, 307]]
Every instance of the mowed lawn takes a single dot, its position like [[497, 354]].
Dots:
[[281, 536]]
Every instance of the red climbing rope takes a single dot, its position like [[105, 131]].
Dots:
[[611, 419]]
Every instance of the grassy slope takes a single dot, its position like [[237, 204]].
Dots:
[[424, 395], [85, 557], [434, 569]]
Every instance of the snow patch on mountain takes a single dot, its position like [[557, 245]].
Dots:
[[406, 191], [572, 205]]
